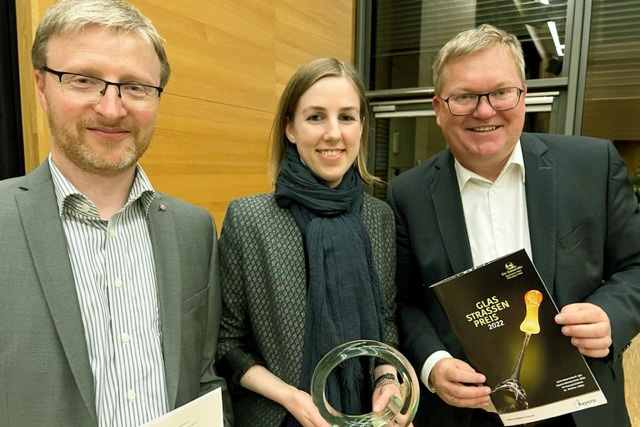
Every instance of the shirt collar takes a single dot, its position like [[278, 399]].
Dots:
[[66, 192], [464, 175]]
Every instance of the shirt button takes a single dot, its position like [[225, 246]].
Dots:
[[117, 283], [112, 231], [85, 208], [131, 395], [124, 337]]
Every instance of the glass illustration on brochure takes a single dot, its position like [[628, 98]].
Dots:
[[486, 306], [509, 395]]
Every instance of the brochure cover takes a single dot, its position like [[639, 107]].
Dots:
[[503, 316]]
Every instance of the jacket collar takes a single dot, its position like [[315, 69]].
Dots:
[[48, 245]]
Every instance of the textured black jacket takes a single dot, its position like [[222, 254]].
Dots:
[[264, 287]]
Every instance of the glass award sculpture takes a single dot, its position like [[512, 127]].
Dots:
[[401, 409]]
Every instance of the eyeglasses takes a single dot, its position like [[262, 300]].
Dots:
[[88, 89], [501, 99]]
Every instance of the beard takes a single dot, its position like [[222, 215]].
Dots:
[[104, 161]]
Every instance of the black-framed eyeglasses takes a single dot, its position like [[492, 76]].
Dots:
[[89, 89], [504, 98]]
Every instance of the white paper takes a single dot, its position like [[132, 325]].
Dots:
[[205, 411]]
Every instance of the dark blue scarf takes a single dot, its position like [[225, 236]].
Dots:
[[344, 300]]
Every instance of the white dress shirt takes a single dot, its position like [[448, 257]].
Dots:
[[495, 215]]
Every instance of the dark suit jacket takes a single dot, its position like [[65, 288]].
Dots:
[[584, 224], [264, 290], [45, 377]]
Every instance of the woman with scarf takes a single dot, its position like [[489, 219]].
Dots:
[[311, 265]]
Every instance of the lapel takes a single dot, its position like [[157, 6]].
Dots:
[[542, 207], [447, 205], [48, 246], [166, 255]]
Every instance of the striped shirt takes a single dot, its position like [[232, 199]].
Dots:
[[114, 272]]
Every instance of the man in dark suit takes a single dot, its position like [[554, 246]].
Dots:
[[109, 291], [565, 200]]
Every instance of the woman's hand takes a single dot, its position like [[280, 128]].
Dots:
[[381, 396], [300, 405]]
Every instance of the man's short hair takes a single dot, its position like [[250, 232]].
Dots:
[[70, 16], [475, 40]]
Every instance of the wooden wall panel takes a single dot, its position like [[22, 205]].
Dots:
[[208, 153], [306, 30], [230, 62], [220, 51], [34, 122]]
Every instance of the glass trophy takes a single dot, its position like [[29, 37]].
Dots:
[[400, 409], [509, 395]]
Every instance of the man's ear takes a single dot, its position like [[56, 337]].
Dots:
[[436, 108], [39, 78]]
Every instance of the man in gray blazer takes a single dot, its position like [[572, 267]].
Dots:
[[565, 200], [109, 291]]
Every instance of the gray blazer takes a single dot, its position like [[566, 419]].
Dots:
[[584, 223], [45, 377], [264, 288]]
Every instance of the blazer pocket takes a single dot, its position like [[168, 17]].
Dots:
[[580, 233], [196, 300]]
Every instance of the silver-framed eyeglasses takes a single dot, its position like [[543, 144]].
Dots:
[[504, 98], [89, 89]]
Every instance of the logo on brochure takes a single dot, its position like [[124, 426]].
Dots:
[[511, 270], [579, 404]]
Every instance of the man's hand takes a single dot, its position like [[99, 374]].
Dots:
[[458, 384], [588, 326]]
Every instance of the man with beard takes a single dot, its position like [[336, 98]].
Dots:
[[109, 293]]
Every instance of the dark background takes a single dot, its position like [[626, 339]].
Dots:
[[11, 143]]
